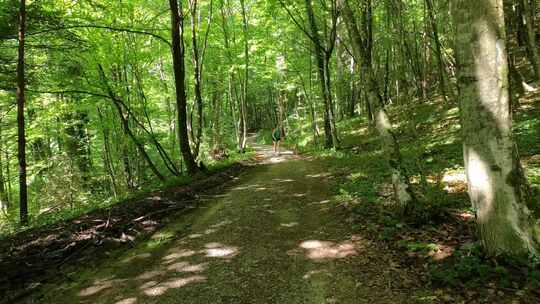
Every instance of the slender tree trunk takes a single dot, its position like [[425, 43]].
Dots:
[[170, 111], [246, 77], [341, 83], [77, 141], [527, 19], [403, 194], [8, 177], [167, 161], [178, 52], [497, 186], [107, 157], [130, 181], [330, 102], [232, 104], [127, 130], [322, 66], [355, 92], [21, 99], [4, 199], [233, 98], [197, 73], [438, 52], [216, 123]]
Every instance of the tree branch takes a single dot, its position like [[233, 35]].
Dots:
[[297, 23], [104, 27]]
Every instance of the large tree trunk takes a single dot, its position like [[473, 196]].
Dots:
[[178, 52], [497, 186], [21, 139]]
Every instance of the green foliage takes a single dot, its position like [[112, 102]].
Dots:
[[82, 205]]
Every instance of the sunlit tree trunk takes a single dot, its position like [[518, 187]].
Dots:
[[243, 99], [497, 186], [178, 53], [403, 194], [21, 99]]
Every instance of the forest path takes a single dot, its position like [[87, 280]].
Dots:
[[271, 237]]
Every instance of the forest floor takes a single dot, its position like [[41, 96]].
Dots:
[[272, 236]]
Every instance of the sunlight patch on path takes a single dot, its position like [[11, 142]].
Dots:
[[160, 288], [127, 301], [319, 250]]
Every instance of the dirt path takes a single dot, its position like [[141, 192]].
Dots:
[[270, 238]]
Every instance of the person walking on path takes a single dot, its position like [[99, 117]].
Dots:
[[276, 138]]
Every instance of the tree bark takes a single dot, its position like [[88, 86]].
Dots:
[[178, 54], [497, 186], [21, 99]]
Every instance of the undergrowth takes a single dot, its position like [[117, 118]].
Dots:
[[439, 234], [9, 222]]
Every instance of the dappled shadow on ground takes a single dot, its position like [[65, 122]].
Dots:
[[33, 257], [273, 237], [146, 275]]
